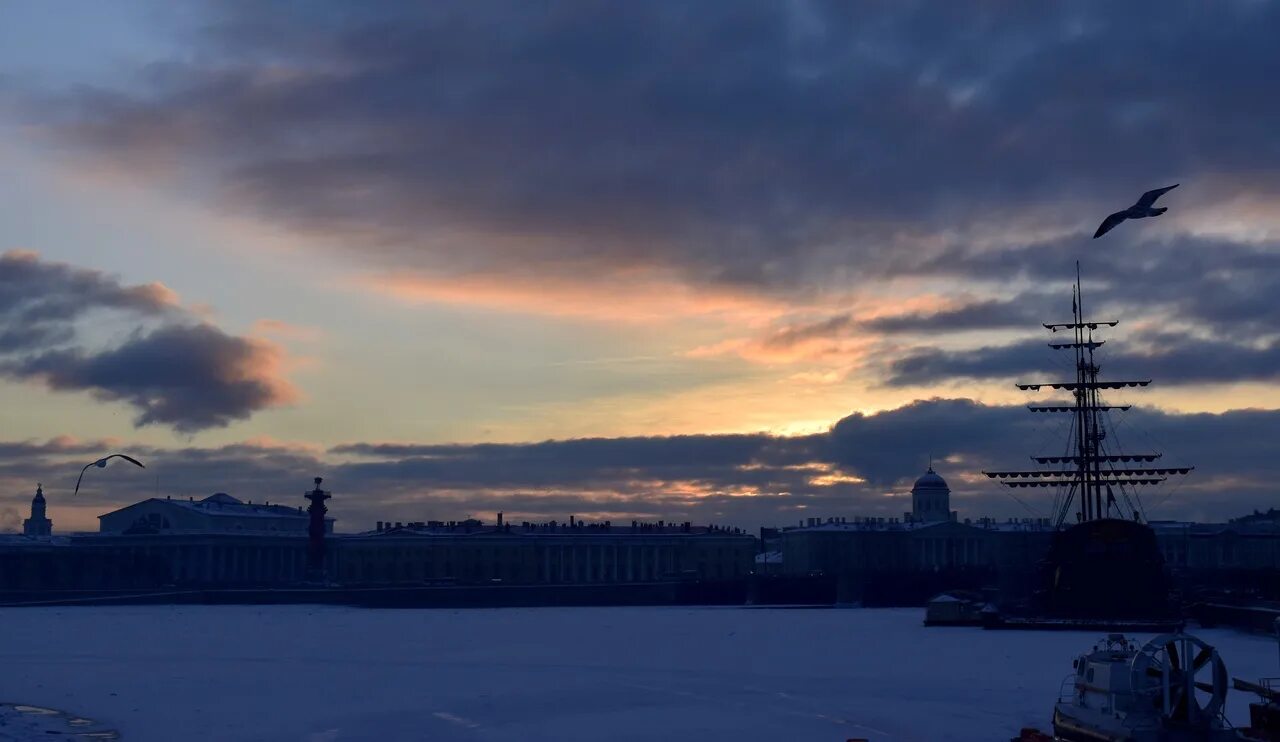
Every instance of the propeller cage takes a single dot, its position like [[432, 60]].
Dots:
[[1184, 678]]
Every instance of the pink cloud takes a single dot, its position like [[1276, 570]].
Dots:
[[640, 296], [286, 330]]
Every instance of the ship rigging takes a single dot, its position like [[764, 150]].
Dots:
[[1093, 470]]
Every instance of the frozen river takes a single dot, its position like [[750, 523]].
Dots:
[[325, 674]]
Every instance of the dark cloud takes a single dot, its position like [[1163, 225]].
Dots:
[[51, 447], [39, 300], [761, 143], [744, 480], [762, 478], [650, 463], [934, 365], [782, 147], [789, 337], [1021, 312], [181, 373], [1168, 358], [1204, 312], [190, 377]]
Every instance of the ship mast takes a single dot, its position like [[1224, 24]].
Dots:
[[1092, 472]]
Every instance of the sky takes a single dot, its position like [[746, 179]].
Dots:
[[737, 263]]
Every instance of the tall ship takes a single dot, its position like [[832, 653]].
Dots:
[[1103, 568]]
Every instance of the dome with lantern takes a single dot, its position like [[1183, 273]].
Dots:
[[931, 498]]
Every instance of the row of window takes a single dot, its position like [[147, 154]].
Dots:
[[541, 564]]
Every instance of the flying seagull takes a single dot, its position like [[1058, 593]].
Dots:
[[1139, 210], [102, 464]]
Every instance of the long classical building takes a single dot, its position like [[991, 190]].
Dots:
[[928, 538], [223, 541], [539, 553], [217, 513], [929, 549]]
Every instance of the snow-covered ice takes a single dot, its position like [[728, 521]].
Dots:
[[328, 674]]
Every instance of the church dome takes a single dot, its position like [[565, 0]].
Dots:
[[931, 481]]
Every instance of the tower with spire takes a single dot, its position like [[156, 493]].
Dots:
[[38, 524]]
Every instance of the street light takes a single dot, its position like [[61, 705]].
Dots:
[[102, 464]]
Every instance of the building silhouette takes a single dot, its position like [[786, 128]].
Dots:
[[931, 499], [222, 541], [216, 513], [38, 524]]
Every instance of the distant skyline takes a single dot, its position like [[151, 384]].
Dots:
[[741, 263]]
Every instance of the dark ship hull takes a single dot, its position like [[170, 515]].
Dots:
[[1105, 575]]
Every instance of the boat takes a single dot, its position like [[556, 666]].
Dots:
[[1103, 569], [1173, 688], [1170, 689]]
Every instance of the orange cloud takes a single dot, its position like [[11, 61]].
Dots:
[[844, 352], [286, 330], [158, 293], [640, 296], [832, 339], [265, 363]]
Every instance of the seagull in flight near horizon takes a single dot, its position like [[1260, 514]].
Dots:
[[102, 464], [1140, 210]]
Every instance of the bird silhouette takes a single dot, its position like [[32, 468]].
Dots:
[[1140, 210], [102, 464]]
